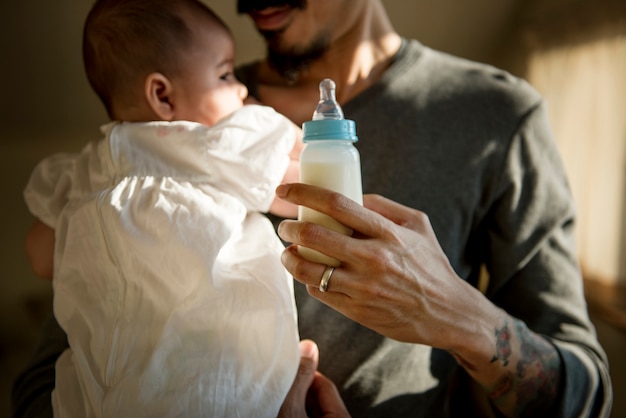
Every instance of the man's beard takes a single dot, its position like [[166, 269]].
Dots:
[[290, 63], [248, 6]]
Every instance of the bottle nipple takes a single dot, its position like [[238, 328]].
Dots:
[[328, 121], [327, 107]]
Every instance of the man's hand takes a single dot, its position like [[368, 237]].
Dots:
[[312, 394]]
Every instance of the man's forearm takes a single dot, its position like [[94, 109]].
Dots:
[[529, 369]]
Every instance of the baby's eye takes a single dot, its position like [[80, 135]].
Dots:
[[227, 76]]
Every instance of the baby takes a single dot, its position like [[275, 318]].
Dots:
[[166, 275]]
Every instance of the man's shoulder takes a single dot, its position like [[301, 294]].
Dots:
[[458, 77]]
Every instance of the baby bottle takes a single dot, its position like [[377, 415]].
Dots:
[[331, 161]]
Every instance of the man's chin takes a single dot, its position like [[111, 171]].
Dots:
[[290, 62]]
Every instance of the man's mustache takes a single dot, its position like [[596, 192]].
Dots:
[[248, 6]]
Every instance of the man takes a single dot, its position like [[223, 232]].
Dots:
[[466, 152], [468, 146]]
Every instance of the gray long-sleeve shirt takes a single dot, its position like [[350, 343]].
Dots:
[[471, 146]]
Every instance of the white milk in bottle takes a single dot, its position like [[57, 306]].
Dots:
[[331, 161]]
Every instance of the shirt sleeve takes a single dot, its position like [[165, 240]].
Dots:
[[533, 264], [255, 141], [49, 186], [32, 388]]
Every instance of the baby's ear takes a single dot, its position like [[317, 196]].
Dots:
[[158, 91]]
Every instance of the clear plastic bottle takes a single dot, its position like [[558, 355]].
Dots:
[[331, 161]]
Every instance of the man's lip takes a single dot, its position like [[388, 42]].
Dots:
[[271, 18]]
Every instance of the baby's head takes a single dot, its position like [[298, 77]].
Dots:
[[161, 60]]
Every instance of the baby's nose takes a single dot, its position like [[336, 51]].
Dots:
[[243, 91]]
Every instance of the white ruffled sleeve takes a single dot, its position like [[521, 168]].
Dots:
[[48, 188], [250, 154]]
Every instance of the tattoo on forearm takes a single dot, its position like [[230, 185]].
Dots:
[[535, 381], [503, 344]]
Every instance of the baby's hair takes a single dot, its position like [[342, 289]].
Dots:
[[125, 40]]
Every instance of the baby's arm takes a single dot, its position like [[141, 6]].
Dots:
[[280, 207], [40, 249], [46, 194]]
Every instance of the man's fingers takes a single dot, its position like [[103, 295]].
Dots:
[[309, 359], [296, 398]]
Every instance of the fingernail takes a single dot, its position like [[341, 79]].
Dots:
[[283, 255], [282, 190], [308, 349]]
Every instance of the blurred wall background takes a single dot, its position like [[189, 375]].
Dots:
[[47, 106]]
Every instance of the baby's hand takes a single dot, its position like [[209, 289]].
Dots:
[[292, 175], [40, 249], [294, 155], [252, 101]]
